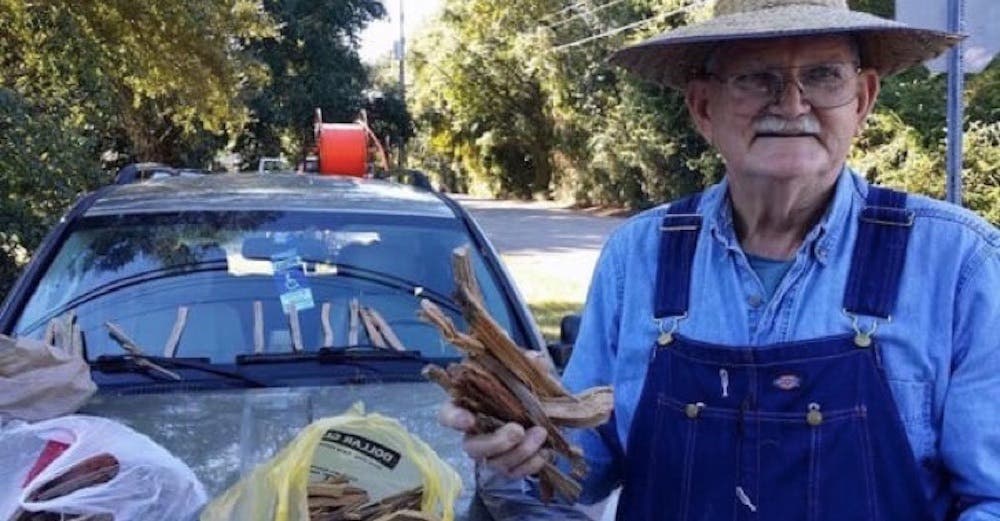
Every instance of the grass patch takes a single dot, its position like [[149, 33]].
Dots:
[[548, 314], [552, 287]]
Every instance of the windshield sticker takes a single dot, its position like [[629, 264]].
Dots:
[[290, 277]]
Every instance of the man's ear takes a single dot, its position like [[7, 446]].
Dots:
[[868, 89], [696, 98]]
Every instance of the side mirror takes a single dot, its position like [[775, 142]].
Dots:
[[569, 327]]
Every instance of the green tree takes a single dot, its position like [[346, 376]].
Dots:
[[480, 98], [83, 82], [497, 88], [484, 66], [388, 115], [147, 75], [86, 86], [42, 168], [313, 63]]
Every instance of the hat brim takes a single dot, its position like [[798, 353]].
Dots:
[[677, 56]]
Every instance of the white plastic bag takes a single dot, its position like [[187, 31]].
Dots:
[[150, 483]]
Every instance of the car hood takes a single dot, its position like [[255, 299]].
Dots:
[[221, 435]]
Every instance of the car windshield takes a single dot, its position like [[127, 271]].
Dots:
[[218, 285]]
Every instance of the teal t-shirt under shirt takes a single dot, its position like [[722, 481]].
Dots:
[[770, 271]]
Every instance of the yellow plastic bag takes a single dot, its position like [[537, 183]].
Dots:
[[376, 452]]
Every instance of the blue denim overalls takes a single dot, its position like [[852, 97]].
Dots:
[[804, 431]]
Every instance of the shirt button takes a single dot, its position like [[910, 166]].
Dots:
[[754, 301]]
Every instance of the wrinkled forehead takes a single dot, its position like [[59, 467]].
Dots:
[[783, 52]]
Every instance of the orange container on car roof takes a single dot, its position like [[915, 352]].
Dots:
[[343, 149]]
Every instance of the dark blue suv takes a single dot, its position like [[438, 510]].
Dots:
[[222, 313]]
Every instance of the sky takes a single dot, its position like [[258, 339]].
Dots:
[[378, 38]]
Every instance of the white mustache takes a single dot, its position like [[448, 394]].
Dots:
[[806, 124]]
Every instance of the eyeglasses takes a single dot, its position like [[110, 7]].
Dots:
[[823, 85]]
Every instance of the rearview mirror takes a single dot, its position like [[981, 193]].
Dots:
[[261, 248], [264, 248]]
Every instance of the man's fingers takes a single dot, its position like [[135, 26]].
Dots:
[[488, 446], [510, 449], [455, 417], [530, 467], [521, 455]]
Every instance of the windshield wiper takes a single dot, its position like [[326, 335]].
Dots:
[[354, 355], [320, 357], [133, 363], [132, 280], [385, 279], [150, 364], [370, 352]]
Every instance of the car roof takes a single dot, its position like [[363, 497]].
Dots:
[[286, 192]]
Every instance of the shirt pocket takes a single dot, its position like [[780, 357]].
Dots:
[[913, 401]]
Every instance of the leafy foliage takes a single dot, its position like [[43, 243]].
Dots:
[[516, 98], [43, 167], [388, 116], [503, 107], [88, 86], [482, 103], [313, 64]]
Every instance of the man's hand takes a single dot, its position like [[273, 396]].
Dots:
[[510, 449]]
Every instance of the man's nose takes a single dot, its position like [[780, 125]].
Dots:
[[790, 100]]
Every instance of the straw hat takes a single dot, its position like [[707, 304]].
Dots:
[[674, 57]]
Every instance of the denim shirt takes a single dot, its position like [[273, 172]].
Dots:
[[940, 349]]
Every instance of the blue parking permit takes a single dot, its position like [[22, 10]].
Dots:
[[290, 277]]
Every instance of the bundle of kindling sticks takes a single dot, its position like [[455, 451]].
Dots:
[[499, 383], [335, 499]]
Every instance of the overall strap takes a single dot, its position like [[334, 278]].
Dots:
[[879, 254], [678, 242]]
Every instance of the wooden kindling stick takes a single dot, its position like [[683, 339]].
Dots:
[[258, 327], [296, 330], [324, 317], [170, 348], [352, 328], [374, 336], [385, 330]]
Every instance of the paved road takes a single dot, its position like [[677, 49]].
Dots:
[[550, 251]]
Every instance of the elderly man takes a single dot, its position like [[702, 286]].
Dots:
[[793, 343]]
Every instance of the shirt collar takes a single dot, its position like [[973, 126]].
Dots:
[[718, 213]]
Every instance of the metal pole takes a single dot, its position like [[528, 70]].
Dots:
[[402, 81], [956, 106]]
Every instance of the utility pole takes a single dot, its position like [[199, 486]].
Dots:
[[956, 85], [977, 20], [402, 81]]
